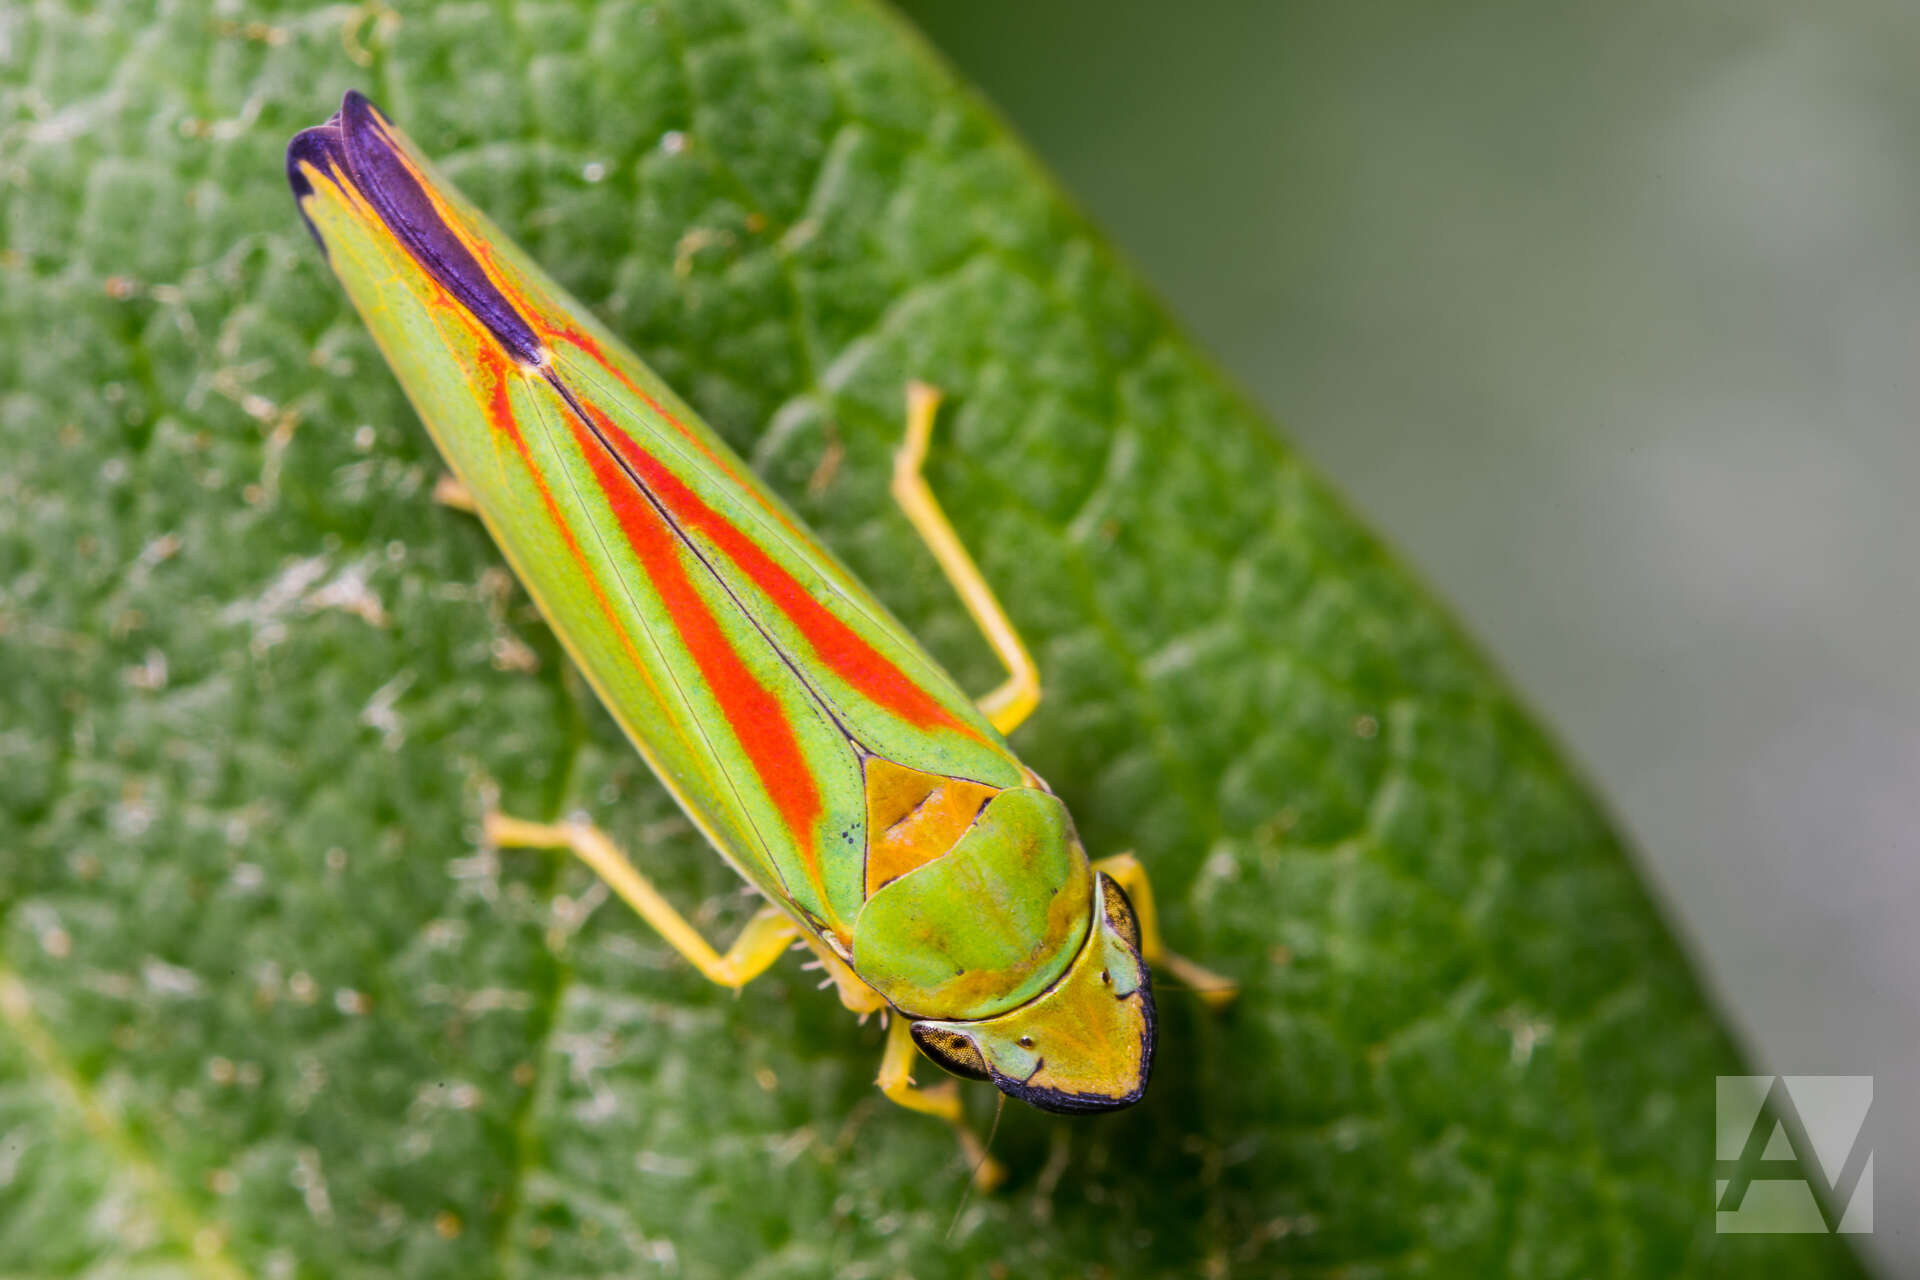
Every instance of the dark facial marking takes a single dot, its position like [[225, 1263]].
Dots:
[[952, 1051]]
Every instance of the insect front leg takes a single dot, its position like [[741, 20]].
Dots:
[[1125, 870], [941, 1101], [854, 993], [1010, 704], [762, 942]]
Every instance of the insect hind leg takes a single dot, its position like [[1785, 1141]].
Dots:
[[764, 939], [1014, 700]]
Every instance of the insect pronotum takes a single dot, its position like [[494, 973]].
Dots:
[[824, 754]]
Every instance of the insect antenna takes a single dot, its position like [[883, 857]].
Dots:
[[986, 1154]]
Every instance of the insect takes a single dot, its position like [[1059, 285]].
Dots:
[[805, 732]]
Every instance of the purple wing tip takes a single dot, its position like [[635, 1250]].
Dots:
[[324, 147], [352, 146]]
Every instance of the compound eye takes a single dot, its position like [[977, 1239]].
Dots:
[[1120, 917], [951, 1051]]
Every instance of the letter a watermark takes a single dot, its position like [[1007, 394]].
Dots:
[[1789, 1155]]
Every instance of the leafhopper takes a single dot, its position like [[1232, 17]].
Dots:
[[825, 755]]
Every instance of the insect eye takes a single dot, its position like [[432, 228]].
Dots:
[[951, 1051], [1026, 1042], [1106, 978], [1120, 917]]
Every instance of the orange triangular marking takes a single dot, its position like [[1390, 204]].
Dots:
[[914, 817]]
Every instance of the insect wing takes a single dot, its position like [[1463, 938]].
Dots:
[[749, 667]]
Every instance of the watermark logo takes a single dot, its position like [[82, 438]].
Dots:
[[1790, 1155]]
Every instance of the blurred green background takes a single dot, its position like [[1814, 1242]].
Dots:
[[1608, 315]]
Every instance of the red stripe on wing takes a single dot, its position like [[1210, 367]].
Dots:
[[755, 715], [500, 413], [585, 343], [838, 645]]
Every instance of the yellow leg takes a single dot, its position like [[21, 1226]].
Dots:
[[854, 993], [1126, 871], [941, 1101], [765, 938], [1011, 703], [449, 492]]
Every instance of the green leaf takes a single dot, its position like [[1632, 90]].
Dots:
[[265, 1009]]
